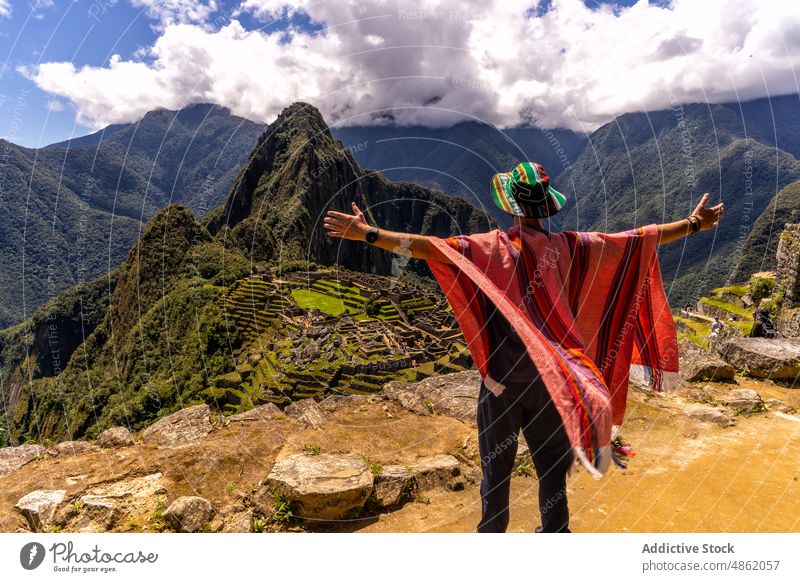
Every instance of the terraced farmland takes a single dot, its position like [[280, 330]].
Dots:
[[313, 334]]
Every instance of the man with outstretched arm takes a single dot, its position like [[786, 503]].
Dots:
[[554, 321]]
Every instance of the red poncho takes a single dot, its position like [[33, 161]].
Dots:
[[587, 305]]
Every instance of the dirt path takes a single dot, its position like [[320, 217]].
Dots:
[[688, 476]]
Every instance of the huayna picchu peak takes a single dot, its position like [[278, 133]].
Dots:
[[297, 172]]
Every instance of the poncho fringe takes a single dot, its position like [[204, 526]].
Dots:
[[587, 306]]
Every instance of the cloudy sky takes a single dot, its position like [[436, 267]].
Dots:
[[71, 67]]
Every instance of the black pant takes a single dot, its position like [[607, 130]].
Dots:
[[530, 408]]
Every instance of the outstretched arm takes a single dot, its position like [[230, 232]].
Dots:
[[709, 217], [355, 227]]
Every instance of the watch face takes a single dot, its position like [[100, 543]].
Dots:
[[372, 236]]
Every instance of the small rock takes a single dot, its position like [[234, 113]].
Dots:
[[241, 522], [185, 426], [307, 412], [39, 507], [100, 514], [392, 485], [710, 414], [325, 486], [188, 513], [116, 436], [12, 458], [438, 471], [742, 398]]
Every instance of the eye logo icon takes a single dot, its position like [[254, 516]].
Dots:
[[31, 555]]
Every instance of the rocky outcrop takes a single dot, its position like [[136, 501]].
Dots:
[[393, 484], [261, 413], [117, 436], [307, 412], [712, 414], [183, 427], [453, 395], [39, 507], [102, 507], [698, 365], [787, 259], [74, 447], [322, 487], [12, 458], [775, 359], [436, 472], [189, 514], [745, 400]]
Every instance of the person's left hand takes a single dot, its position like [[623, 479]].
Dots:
[[709, 217], [348, 226]]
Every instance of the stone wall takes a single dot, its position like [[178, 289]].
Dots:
[[787, 272]]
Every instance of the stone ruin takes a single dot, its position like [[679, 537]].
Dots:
[[787, 270], [787, 281]]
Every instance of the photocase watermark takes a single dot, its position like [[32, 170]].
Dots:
[[470, 82], [628, 326], [500, 448], [328, 162], [533, 118], [747, 201], [65, 558], [433, 14], [686, 139], [100, 8]]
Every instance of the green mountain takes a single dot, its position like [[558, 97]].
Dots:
[[71, 211], [758, 252], [297, 172], [654, 167], [182, 313]]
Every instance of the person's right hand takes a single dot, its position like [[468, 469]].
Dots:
[[709, 217], [349, 226]]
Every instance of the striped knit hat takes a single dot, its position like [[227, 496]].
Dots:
[[526, 191]]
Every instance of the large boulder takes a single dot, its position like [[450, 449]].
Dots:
[[189, 514], [453, 395], [12, 458], [325, 487], [776, 359], [103, 506], [698, 365], [116, 436], [185, 426], [39, 507]]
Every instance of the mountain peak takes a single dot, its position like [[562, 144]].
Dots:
[[302, 118]]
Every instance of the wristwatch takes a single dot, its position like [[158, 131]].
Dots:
[[372, 235]]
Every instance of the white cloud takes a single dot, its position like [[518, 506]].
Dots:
[[55, 105], [5, 8], [437, 62], [169, 12]]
